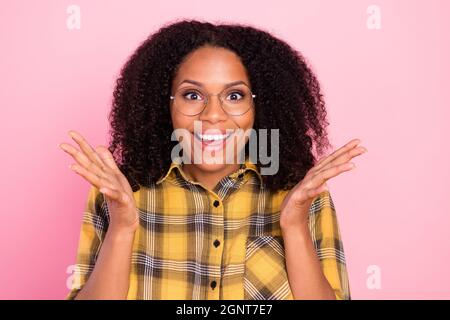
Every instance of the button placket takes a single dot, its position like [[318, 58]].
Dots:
[[217, 210]]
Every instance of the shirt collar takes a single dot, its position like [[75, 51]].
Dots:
[[247, 166]]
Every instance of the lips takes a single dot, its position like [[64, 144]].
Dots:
[[213, 139]]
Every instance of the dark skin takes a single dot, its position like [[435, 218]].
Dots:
[[305, 274], [213, 68]]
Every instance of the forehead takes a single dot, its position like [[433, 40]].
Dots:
[[211, 66]]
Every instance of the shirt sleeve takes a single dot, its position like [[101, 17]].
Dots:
[[327, 241], [93, 228]]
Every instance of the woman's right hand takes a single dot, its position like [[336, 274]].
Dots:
[[100, 170]]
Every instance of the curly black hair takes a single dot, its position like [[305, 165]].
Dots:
[[289, 98]]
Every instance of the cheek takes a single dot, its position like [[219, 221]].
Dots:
[[246, 122], [181, 122]]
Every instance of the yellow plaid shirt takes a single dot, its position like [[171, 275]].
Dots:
[[224, 243]]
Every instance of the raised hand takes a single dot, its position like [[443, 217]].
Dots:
[[100, 170], [295, 207]]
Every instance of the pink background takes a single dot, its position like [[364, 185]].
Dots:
[[388, 87]]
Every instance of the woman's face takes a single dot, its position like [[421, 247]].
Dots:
[[209, 70]]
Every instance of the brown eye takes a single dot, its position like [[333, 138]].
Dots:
[[235, 96], [192, 95]]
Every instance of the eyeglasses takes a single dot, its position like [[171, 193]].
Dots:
[[235, 101]]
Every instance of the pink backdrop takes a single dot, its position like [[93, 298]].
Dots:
[[387, 86]]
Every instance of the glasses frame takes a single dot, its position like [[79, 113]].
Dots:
[[208, 95]]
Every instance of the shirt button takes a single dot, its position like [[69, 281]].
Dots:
[[213, 284], [216, 243], [216, 203]]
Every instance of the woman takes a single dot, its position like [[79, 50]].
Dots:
[[158, 228]]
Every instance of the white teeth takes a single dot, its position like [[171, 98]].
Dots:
[[212, 137]]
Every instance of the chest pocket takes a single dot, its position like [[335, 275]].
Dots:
[[265, 276]]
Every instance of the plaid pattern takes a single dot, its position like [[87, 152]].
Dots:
[[224, 243]]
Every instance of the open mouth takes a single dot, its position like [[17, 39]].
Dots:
[[216, 141], [212, 137]]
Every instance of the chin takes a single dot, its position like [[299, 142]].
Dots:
[[213, 167]]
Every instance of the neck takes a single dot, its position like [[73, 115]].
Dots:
[[208, 178]]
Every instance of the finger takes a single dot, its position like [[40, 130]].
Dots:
[[322, 188], [343, 158], [86, 148], [329, 173], [114, 195], [350, 145], [312, 193], [82, 159], [92, 178], [107, 158]]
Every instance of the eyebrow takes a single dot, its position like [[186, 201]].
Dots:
[[201, 84]]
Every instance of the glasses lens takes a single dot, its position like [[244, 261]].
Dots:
[[237, 101], [189, 101]]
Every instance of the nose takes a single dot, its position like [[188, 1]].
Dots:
[[213, 111]]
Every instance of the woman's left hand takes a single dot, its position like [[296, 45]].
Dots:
[[296, 205]]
